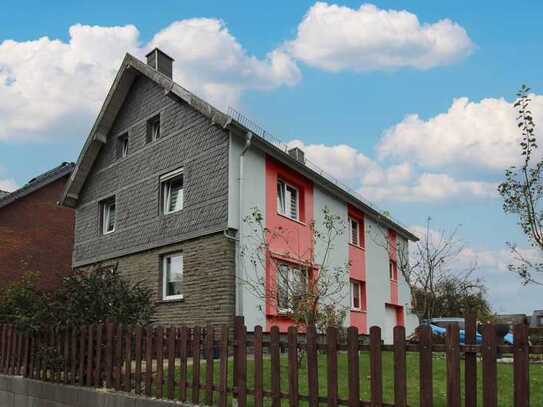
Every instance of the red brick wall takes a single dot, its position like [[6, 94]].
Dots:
[[36, 235]]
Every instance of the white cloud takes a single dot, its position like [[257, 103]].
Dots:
[[337, 38], [210, 60], [395, 182], [429, 187], [53, 85], [480, 134], [8, 185]]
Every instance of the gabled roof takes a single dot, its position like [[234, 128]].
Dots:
[[36, 183], [130, 68]]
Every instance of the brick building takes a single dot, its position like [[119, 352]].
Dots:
[[164, 182], [36, 234]]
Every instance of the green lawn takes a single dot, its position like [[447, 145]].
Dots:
[[505, 379]]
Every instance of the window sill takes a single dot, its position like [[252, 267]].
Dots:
[[172, 213], [170, 300], [293, 220], [359, 310], [356, 246]]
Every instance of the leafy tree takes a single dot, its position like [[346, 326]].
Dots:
[[99, 295], [89, 297], [311, 297], [522, 192]]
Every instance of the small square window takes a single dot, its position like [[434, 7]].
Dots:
[[171, 187], [287, 200], [122, 146], [108, 215], [354, 232], [172, 276], [153, 129]]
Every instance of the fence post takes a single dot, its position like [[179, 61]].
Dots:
[[223, 374], [109, 354], [275, 360], [171, 362], [209, 365], [453, 366], [242, 366], [259, 383], [293, 366], [2, 346], [425, 355], [196, 336], [137, 374], [119, 338], [82, 337], [159, 352], [239, 321], [353, 367], [98, 376], [521, 365], [66, 355], [148, 359], [331, 359], [183, 337], [312, 366], [470, 362], [489, 366], [128, 359], [376, 363], [400, 372]]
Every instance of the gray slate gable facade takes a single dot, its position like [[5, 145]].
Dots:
[[188, 140]]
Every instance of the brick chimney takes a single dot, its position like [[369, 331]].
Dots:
[[298, 154], [160, 62]]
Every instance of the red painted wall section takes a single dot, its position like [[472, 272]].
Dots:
[[36, 235], [357, 271], [393, 274], [294, 241]]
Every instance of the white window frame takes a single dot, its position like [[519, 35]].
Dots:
[[105, 213], [359, 284], [287, 211], [351, 221], [124, 145], [151, 123], [165, 180], [292, 268], [165, 258]]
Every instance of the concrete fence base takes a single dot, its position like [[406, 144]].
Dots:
[[17, 391]]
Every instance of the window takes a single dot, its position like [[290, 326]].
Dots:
[[355, 295], [107, 211], [287, 200], [153, 129], [393, 270], [358, 301], [172, 276], [291, 284], [354, 232], [122, 146], [171, 187]]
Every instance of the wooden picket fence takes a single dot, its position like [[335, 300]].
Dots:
[[156, 361]]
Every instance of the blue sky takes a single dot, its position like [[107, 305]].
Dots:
[[394, 128]]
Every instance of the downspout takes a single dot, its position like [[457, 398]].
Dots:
[[239, 268]]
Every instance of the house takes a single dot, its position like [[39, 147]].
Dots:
[[163, 185], [36, 234], [537, 319]]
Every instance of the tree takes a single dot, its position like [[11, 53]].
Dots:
[[439, 285], [308, 289], [89, 297], [522, 193]]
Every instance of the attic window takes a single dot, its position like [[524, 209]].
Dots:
[[153, 128], [122, 146], [107, 213]]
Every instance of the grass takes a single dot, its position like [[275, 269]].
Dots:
[[505, 379]]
